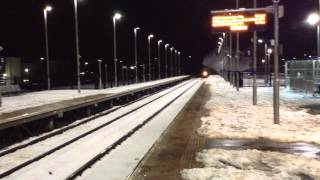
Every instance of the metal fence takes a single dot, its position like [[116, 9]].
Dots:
[[303, 75], [262, 80]]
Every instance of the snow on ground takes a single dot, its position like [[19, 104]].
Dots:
[[81, 151], [232, 115], [34, 99], [252, 165], [121, 162]]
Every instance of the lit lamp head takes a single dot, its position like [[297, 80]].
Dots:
[[136, 29], [167, 45], [313, 19], [150, 36], [270, 51], [117, 16], [160, 41], [260, 41], [48, 8]]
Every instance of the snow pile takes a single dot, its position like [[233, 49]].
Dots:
[[232, 115], [252, 164]]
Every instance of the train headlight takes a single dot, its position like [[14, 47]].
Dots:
[[205, 73]]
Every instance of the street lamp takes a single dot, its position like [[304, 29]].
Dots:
[[267, 58], [106, 74], [175, 62], [117, 16], [45, 12], [166, 60], [179, 63], [143, 72], [149, 50], [100, 79], [269, 52], [136, 52], [1, 49], [77, 44], [171, 61], [159, 58], [314, 19]]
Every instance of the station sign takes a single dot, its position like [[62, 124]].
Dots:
[[239, 22]]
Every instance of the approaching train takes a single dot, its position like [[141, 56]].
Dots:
[[205, 73]]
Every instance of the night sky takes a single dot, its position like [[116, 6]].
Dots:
[[184, 24]]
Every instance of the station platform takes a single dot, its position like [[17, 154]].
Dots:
[[25, 108]]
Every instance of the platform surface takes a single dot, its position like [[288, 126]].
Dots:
[[24, 108]]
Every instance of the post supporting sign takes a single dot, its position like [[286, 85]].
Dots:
[[251, 20]]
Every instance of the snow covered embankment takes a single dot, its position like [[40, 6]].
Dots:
[[232, 115], [252, 164]]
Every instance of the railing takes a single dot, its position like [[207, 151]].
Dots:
[[246, 79]]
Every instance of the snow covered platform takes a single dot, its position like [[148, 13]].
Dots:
[[17, 110]]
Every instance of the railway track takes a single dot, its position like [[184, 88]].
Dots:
[[128, 111], [73, 125]]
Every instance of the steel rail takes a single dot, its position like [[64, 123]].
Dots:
[[37, 158]]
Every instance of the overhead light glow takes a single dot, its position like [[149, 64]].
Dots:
[[48, 8], [313, 19], [117, 16]]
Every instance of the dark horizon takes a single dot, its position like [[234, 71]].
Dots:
[[183, 24]]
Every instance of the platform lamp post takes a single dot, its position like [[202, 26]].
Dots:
[[166, 59], [254, 88], [143, 72], [106, 74], [1, 49], [100, 78], [314, 19], [159, 59], [45, 13], [136, 52], [117, 16], [261, 41], [269, 52], [237, 55], [149, 52], [179, 63], [175, 62], [171, 61], [77, 44]]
